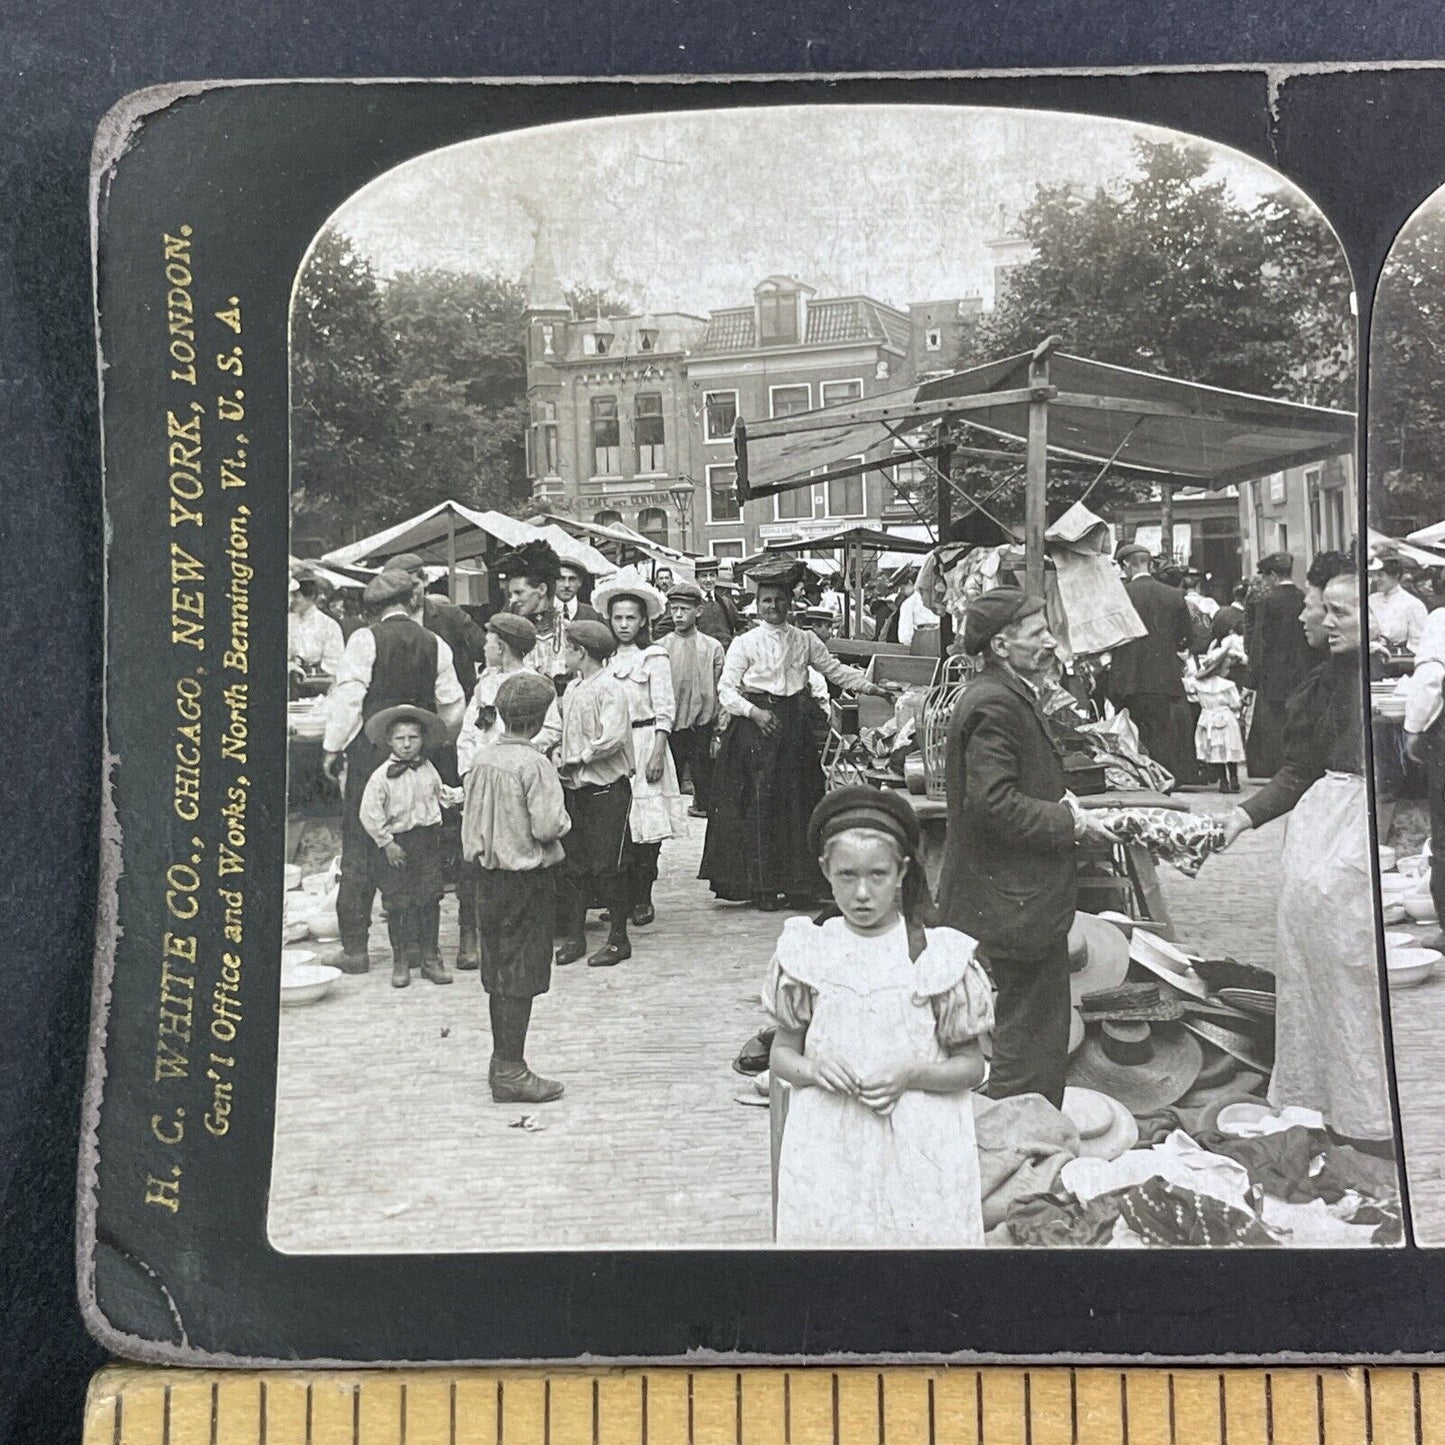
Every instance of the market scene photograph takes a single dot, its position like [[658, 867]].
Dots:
[[1406, 617], [827, 656]]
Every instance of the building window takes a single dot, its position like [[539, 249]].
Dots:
[[652, 523], [720, 413], [606, 519], [933, 339], [846, 497], [589, 344], [649, 429], [722, 495], [790, 400], [794, 506], [777, 319], [606, 438], [729, 549], [1278, 488], [837, 393], [549, 339]]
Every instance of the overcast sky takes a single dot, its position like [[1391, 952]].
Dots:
[[687, 212]]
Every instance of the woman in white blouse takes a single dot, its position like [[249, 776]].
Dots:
[[769, 777]]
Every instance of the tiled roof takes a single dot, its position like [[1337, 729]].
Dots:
[[728, 331], [844, 318]]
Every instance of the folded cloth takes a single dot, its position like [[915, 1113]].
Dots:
[[1179, 1160], [1023, 1145], [1053, 1221], [1279, 1163], [1316, 1224], [1162, 1213], [1352, 1168], [1184, 840]]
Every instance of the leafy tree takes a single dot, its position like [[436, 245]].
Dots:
[[346, 451], [1166, 271], [1407, 381], [462, 374]]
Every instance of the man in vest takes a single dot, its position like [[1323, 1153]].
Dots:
[[392, 661]]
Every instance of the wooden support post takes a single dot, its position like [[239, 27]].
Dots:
[[451, 557], [1166, 523], [1037, 475], [944, 521]]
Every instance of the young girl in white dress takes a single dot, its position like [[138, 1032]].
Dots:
[[878, 1026]]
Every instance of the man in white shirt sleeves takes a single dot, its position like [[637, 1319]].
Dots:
[[1424, 743], [913, 614]]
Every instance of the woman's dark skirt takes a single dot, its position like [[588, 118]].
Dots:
[[419, 879], [514, 930], [598, 837], [764, 790]]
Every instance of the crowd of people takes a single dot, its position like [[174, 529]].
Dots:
[[559, 736]]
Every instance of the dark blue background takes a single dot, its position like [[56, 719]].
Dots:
[[65, 65]]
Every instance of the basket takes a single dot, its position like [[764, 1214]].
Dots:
[[953, 675]]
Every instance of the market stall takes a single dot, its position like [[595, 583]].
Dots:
[[851, 545], [460, 539]]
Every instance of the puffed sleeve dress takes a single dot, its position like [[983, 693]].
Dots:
[[846, 1176]]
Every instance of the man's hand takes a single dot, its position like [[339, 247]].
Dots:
[[767, 722], [886, 689], [882, 1094], [331, 765], [395, 854], [835, 1076], [1237, 822], [1415, 748], [1097, 833]]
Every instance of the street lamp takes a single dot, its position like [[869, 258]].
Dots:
[[681, 495]]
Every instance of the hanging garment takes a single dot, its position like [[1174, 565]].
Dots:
[[1329, 1046]]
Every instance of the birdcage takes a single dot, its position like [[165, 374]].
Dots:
[[953, 674]]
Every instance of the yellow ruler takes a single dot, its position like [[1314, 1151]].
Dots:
[[904, 1405]]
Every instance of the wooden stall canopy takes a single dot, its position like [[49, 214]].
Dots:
[[1169, 428]]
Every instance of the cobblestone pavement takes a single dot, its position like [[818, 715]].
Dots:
[[387, 1139]]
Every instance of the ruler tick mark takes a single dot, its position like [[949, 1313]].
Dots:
[[1223, 1417], [1369, 1411], [1124, 1407], [1028, 1407], [1073, 1410], [644, 1410], [401, 1415], [1173, 1437], [881, 1439], [788, 1407], [452, 1413], [118, 1424], [837, 1431], [261, 1423], [596, 1411], [1269, 1409], [978, 1404], [215, 1410], [1320, 1407], [356, 1413], [932, 1415], [166, 1416], [308, 1412], [1415, 1393]]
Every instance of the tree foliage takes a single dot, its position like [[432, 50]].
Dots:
[[1166, 271], [409, 391], [1407, 381]]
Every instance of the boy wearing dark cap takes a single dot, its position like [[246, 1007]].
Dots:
[[596, 763], [401, 810], [513, 820], [697, 663]]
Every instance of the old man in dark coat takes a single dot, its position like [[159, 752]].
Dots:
[[1009, 874]]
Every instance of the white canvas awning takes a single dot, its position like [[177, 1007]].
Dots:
[[442, 535]]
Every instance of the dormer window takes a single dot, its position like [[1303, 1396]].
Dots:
[[647, 333], [777, 319], [602, 336], [933, 339]]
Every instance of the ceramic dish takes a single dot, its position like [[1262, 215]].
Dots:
[[1410, 966], [306, 982]]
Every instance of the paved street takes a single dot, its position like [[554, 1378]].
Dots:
[[387, 1139]]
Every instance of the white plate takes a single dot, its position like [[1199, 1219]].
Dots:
[[306, 982]]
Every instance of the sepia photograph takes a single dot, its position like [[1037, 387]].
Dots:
[[1406, 650], [826, 655]]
